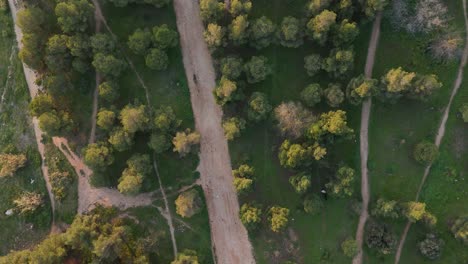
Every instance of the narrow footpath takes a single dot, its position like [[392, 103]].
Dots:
[[441, 130]]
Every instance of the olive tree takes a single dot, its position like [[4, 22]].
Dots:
[[257, 69], [290, 32]]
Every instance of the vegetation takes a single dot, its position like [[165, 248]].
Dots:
[[188, 203]]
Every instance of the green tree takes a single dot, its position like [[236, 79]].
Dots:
[[140, 41], [343, 184], [396, 82], [334, 95], [291, 33], [312, 64], [120, 139], [10, 163], [464, 112], [74, 15], [32, 52], [138, 168], [57, 85], [424, 86], [211, 10], [108, 64], [215, 36], [157, 60], [188, 203], [50, 122], [301, 183], [293, 155], [102, 43], [183, 141], [135, 118], [109, 91], [165, 119], [293, 119], [233, 127], [313, 204], [380, 237], [319, 26], [349, 247], [57, 58], [106, 119], [240, 7], [238, 30], [257, 69], [346, 33], [251, 216], [339, 63], [242, 185], [262, 33], [28, 202], [225, 91], [459, 229], [431, 247], [316, 6], [371, 7], [243, 171], [311, 95], [332, 122], [186, 257], [425, 152], [32, 20], [360, 88], [164, 37], [278, 218], [160, 143], [386, 208], [41, 104], [414, 211], [231, 67], [259, 107], [79, 45], [98, 155]]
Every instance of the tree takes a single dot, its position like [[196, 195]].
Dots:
[[164, 37], [243, 178], [425, 152], [316, 6], [290, 32], [158, 3], [57, 85], [138, 168], [464, 112], [159, 143], [183, 141], [231, 67], [360, 88], [32, 20], [74, 16], [102, 43], [334, 95], [140, 41], [50, 122], [459, 229], [313, 204], [414, 211], [242, 185], [250, 216], [396, 82], [312, 64], [311, 95], [58, 57], [371, 7], [211, 10], [257, 69], [108, 64], [157, 60], [109, 91], [346, 33], [240, 7], [32, 52], [243, 171], [349, 247], [40, 104], [28, 202], [447, 47], [10, 163], [98, 155], [262, 33], [225, 91], [186, 257], [233, 127], [188, 203], [380, 237], [293, 155], [165, 119], [424, 86], [135, 118], [278, 218], [238, 30], [79, 45], [332, 122], [386, 208], [431, 247], [215, 36], [293, 119], [319, 26], [258, 107], [300, 183], [120, 139], [343, 184], [339, 63], [106, 119]]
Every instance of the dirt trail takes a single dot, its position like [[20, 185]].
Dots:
[[441, 130], [30, 77], [364, 139], [229, 237], [9, 76]]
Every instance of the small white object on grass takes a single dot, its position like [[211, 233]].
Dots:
[[32, 181], [9, 212]]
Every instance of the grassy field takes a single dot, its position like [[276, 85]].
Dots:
[[16, 136]]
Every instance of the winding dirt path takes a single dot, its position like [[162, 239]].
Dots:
[[229, 237], [364, 140], [30, 77], [441, 130]]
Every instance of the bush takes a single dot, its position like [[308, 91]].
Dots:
[[464, 112], [460, 229], [431, 247], [349, 247], [380, 237], [313, 204], [188, 203], [425, 152]]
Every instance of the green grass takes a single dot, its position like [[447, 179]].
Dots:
[[16, 135]]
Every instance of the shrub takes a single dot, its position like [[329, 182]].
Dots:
[[349, 247], [431, 247], [188, 203], [313, 204], [425, 152]]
